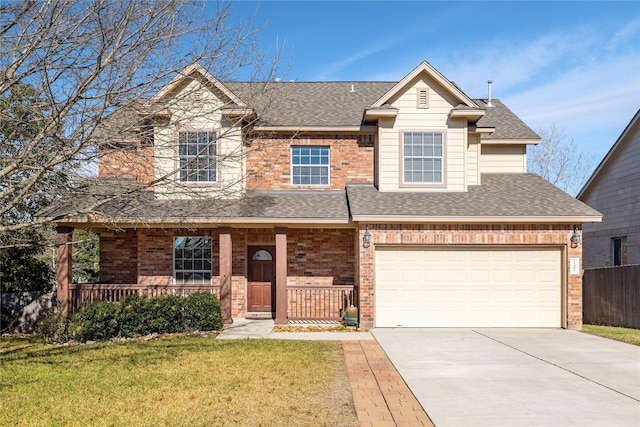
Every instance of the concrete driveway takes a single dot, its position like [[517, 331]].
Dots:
[[517, 377]]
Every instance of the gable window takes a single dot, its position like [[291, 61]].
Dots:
[[198, 156], [422, 157], [192, 260], [310, 165], [618, 249]]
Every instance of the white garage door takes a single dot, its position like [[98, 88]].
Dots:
[[462, 287]]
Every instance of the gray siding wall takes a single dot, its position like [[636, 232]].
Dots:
[[616, 194]]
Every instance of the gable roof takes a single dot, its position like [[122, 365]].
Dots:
[[622, 141], [339, 106], [190, 72], [426, 68]]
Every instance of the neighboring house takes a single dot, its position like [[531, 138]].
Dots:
[[614, 190], [408, 199]]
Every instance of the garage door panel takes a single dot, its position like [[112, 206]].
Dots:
[[459, 287]]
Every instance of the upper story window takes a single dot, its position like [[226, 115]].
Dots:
[[310, 165], [423, 157], [198, 152]]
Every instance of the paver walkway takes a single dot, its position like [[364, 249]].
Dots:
[[380, 395]]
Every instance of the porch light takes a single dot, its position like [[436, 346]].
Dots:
[[366, 239], [575, 238]]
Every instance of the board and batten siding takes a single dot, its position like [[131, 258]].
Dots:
[[503, 158], [432, 119], [197, 108]]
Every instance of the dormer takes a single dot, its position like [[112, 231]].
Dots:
[[199, 151]]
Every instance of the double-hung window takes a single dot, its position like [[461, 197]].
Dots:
[[422, 157], [198, 156], [192, 260], [310, 165]]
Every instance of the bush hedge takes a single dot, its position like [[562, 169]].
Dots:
[[135, 316]]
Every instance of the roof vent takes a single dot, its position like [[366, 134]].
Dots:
[[489, 104], [277, 80], [353, 88]]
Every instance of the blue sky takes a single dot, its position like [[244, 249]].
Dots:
[[574, 63]]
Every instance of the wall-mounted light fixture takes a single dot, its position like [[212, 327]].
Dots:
[[366, 238], [575, 237]]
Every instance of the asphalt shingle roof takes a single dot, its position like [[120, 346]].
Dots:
[[142, 207], [500, 195]]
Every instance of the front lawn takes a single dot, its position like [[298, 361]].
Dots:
[[181, 381], [628, 335]]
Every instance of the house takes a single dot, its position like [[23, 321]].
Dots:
[[614, 190], [407, 199]]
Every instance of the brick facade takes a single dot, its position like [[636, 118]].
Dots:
[[133, 163], [269, 161], [314, 257], [464, 234], [119, 258]]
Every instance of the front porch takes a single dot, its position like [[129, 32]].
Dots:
[[290, 274]]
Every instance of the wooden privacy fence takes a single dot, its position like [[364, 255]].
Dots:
[[611, 296], [85, 293]]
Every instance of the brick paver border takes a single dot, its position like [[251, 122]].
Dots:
[[380, 395]]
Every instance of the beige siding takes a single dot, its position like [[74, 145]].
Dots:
[[473, 160], [432, 119], [196, 107], [503, 159]]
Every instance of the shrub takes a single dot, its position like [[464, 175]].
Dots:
[[202, 312], [9, 319], [164, 314], [96, 321], [135, 315], [132, 316], [53, 327]]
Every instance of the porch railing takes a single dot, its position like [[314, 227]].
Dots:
[[319, 302], [305, 302], [85, 293]]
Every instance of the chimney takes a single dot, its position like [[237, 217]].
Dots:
[[489, 104]]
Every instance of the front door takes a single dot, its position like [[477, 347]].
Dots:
[[261, 277]]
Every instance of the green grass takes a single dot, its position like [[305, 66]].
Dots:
[[628, 335], [182, 381]]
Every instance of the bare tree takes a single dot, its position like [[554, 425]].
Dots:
[[69, 68], [559, 160]]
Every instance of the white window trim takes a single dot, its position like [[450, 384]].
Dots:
[[443, 181], [217, 157], [328, 166]]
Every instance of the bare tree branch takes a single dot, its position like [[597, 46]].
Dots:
[[68, 68], [559, 160]]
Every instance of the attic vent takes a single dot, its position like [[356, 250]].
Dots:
[[423, 98]]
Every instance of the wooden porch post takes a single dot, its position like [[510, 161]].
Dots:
[[281, 276], [226, 265], [64, 274]]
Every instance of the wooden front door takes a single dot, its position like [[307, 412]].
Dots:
[[261, 277]]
